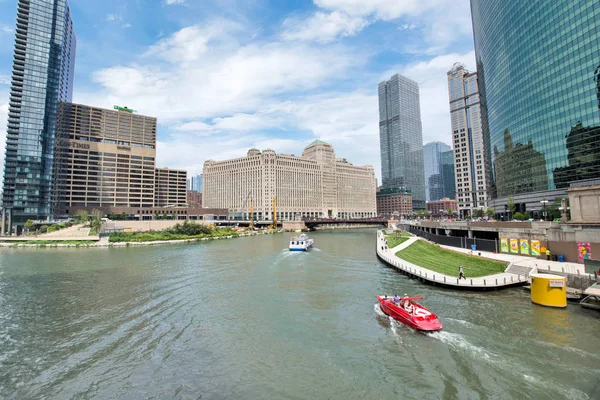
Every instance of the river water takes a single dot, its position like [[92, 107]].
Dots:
[[246, 319]]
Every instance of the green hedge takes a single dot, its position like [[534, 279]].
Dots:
[[172, 234]]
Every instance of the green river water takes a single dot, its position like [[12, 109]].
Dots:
[[246, 319]]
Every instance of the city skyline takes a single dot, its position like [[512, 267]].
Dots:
[[276, 110]]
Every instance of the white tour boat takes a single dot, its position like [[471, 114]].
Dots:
[[301, 243]]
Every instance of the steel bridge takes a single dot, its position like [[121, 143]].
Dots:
[[313, 222]]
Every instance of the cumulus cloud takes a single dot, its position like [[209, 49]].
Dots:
[[169, 2], [442, 21], [323, 27]]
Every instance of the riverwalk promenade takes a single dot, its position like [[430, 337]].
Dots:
[[490, 282]]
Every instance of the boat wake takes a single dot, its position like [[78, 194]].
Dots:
[[459, 342], [394, 325], [462, 322]]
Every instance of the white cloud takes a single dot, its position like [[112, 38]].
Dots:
[[4, 80], [323, 27], [5, 29], [169, 2], [114, 17], [442, 21]]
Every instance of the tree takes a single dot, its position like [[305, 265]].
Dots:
[[511, 205], [82, 216], [450, 212], [29, 225], [123, 216], [113, 216], [526, 216], [43, 228], [490, 212], [96, 224], [553, 210], [96, 214], [478, 213], [518, 216]]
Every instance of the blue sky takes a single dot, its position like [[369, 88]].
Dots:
[[226, 75]]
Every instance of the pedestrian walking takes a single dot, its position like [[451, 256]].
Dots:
[[461, 272]]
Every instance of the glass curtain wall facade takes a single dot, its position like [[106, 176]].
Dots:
[[539, 66], [401, 137], [447, 173], [432, 153], [42, 75]]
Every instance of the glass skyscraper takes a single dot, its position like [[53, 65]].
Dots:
[[447, 173], [401, 137], [432, 153], [42, 75], [539, 64]]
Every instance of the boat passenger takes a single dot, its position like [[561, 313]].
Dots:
[[396, 299], [408, 307]]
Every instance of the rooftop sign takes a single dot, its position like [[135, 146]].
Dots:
[[119, 108]]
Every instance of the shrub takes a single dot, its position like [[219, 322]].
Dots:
[[53, 228], [43, 228]]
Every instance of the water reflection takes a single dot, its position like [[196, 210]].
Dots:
[[553, 324]]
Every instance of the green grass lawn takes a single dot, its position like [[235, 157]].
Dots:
[[446, 262], [397, 238]]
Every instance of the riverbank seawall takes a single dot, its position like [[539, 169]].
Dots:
[[490, 282]]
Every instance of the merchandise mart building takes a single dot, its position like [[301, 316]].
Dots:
[[539, 72], [42, 75], [315, 185]]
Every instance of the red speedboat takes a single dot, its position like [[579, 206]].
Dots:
[[417, 316]]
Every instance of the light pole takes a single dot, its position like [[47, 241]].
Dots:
[[544, 202]]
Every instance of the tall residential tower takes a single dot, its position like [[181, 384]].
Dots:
[[401, 137], [42, 75], [467, 134]]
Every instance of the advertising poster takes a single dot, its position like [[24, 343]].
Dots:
[[504, 245], [535, 248], [524, 246], [584, 250], [514, 246]]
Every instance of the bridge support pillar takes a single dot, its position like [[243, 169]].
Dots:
[[470, 234]]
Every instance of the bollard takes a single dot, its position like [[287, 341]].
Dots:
[[471, 282], [563, 269], [484, 284], [457, 282], [444, 279], [505, 280], [511, 279], [434, 277], [496, 281]]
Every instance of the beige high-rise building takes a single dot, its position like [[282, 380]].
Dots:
[[313, 185], [104, 159], [170, 187], [467, 133]]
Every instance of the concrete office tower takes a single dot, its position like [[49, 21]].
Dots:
[[432, 156], [104, 159], [540, 90], [42, 75], [467, 133], [313, 185], [170, 187], [401, 137]]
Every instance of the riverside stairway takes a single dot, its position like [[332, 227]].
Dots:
[[510, 278]]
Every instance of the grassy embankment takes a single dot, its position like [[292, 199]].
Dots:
[[185, 231], [434, 258], [397, 238]]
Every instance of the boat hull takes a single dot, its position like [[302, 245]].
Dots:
[[423, 320]]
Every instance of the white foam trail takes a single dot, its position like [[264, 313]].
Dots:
[[379, 311], [458, 341], [462, 322]]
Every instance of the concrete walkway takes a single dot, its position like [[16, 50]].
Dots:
[[496, 281], [75, 232]]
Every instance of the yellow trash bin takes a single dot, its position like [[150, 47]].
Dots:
[[549, 290]]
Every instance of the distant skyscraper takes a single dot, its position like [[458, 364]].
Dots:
[[401, 137], [432, 153], [196, 183], [540, 95], [42, 75], [447, 173], [467, 133]]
